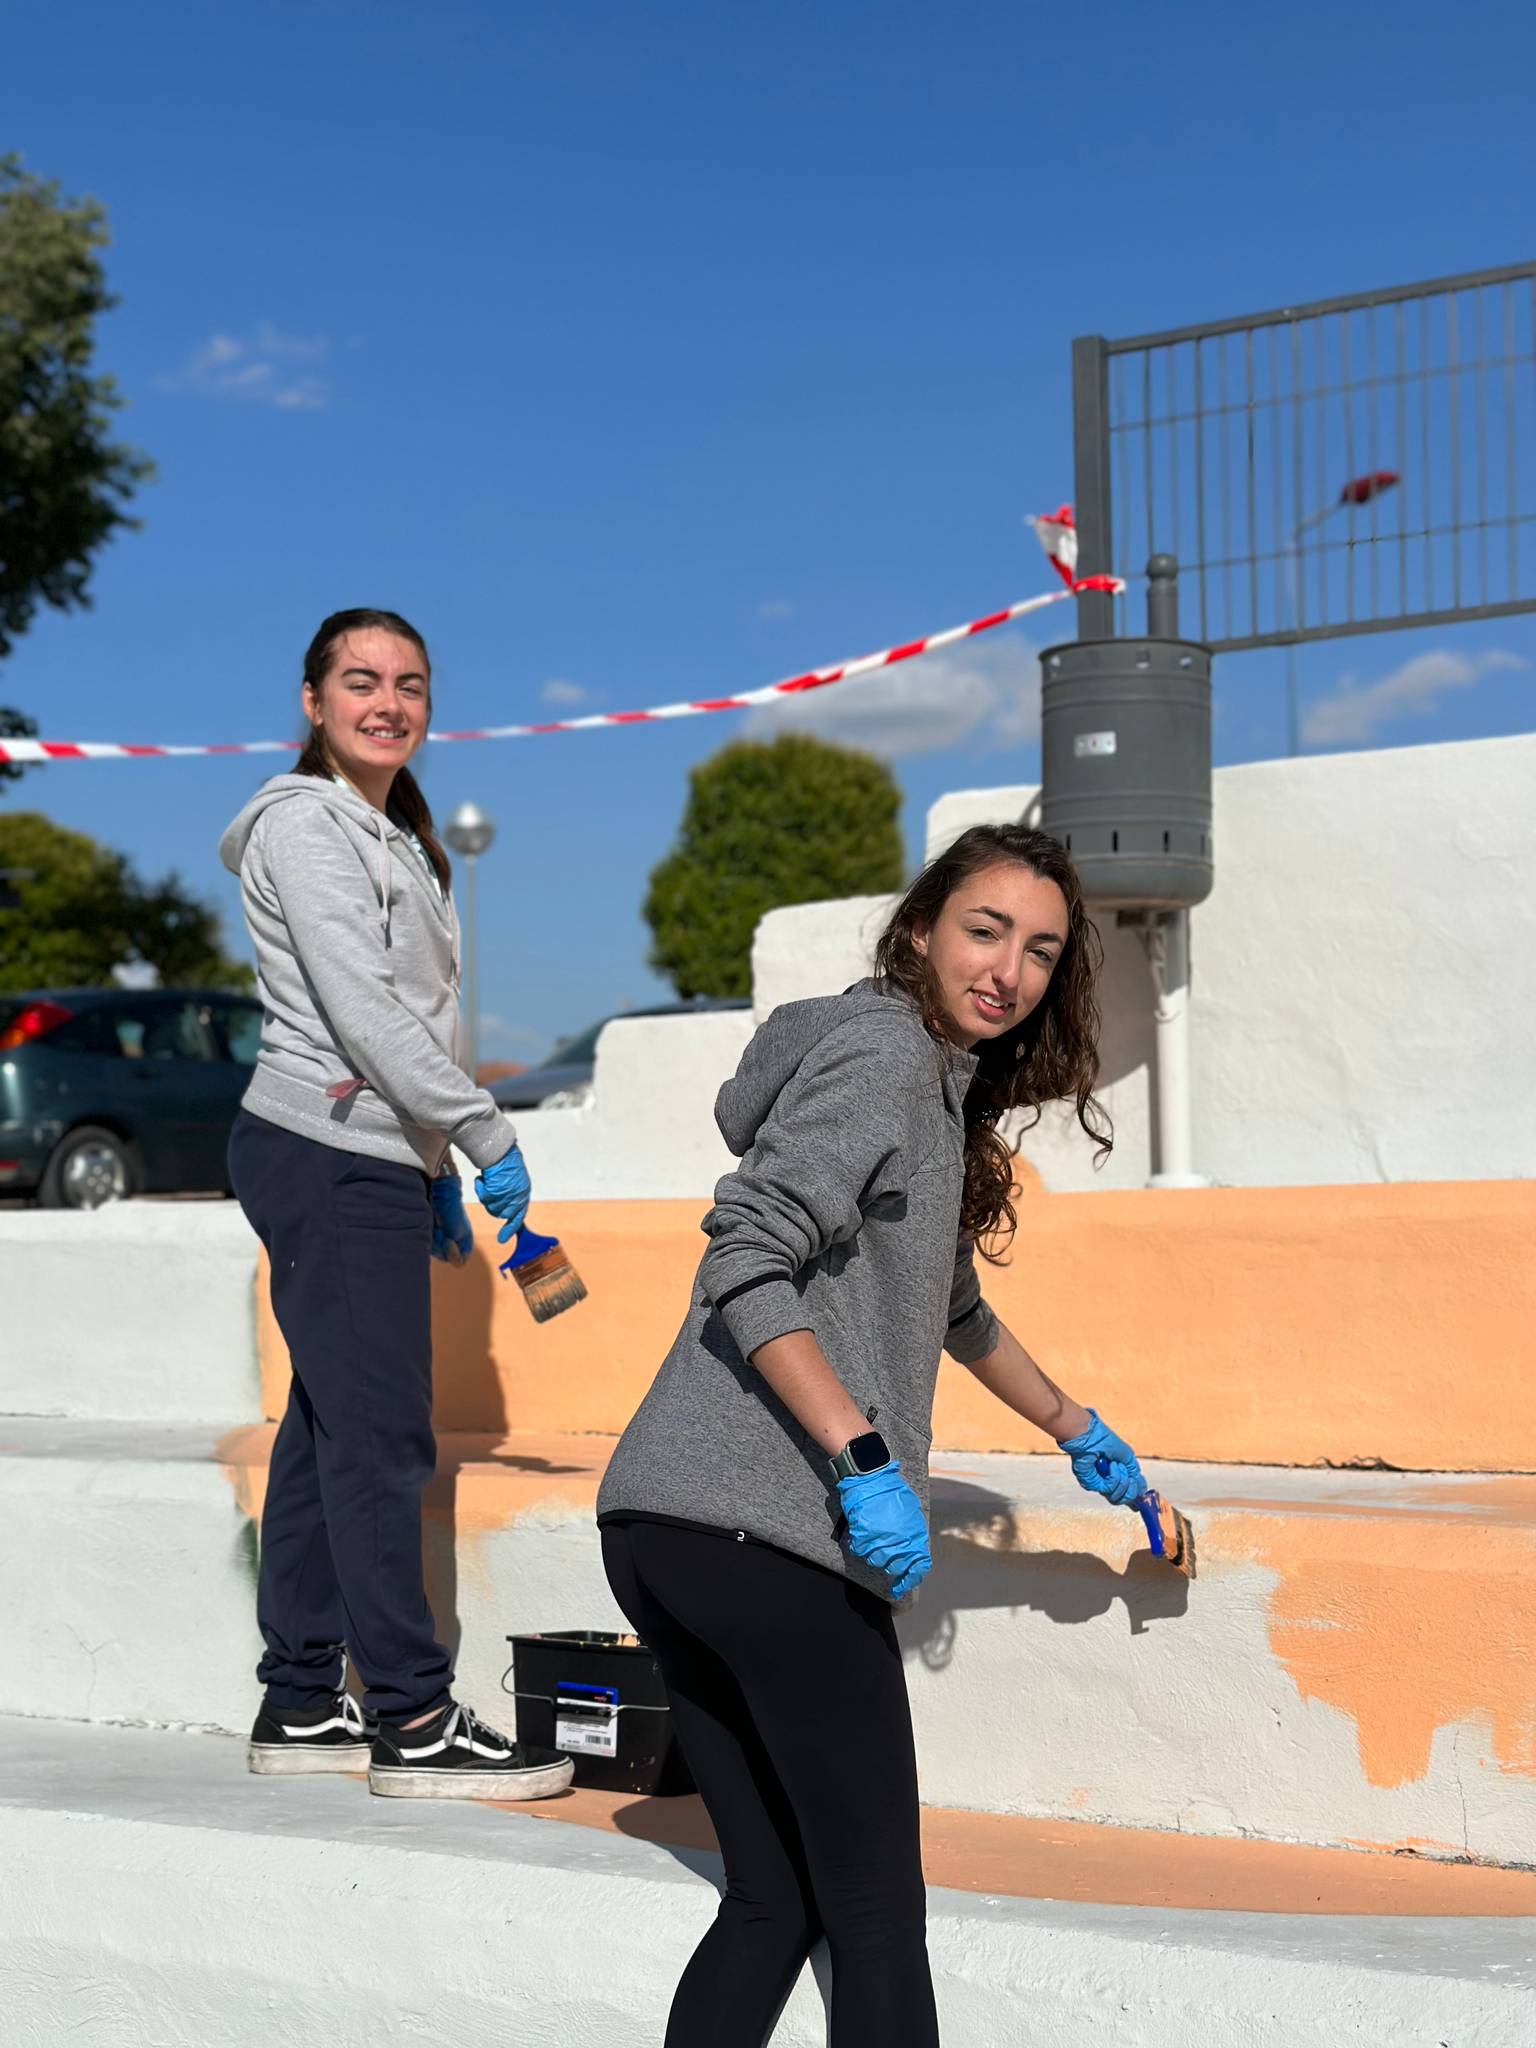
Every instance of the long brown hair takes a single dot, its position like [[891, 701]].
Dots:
[[1053, 1056], [405, 797]]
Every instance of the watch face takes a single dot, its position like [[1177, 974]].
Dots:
[[869, 1452]]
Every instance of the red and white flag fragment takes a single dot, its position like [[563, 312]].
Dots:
[[1057, 534]]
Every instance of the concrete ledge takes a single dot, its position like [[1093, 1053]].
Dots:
[[127, 1575], [143, 1310], [1185, 1317], [1180, 1316], [1350, 1668], [153, 1892]]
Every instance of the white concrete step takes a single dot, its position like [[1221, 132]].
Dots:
[[144, 1310], [153, 1893], [1351, 1666]]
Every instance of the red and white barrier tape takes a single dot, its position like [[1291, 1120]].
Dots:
[[816, 679]]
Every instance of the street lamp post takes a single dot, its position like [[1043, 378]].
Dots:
[[1360, 490], [469, 832]]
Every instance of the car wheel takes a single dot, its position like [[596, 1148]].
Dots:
[[89, 1168]]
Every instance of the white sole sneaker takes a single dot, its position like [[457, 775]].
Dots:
[[288, 1760], [541, 1781]]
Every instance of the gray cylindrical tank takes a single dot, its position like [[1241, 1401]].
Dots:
[[1126, 768]]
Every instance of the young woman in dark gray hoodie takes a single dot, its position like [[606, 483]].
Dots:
[[768, 1503], [341, 1159]]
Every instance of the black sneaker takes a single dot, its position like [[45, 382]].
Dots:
[[456, 1756], [293, 1742]]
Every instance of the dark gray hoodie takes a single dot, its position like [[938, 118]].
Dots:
[[357, 962], [843, 1218]]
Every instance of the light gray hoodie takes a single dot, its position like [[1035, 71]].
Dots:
[[843, 1218], [357, 962]]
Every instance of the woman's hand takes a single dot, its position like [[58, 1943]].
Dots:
[[886, 1527], [452, 1238], [504, 1189], [1121, 1481]]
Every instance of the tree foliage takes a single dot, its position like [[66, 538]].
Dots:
[[82, 911], [794, 821], [64, 482]]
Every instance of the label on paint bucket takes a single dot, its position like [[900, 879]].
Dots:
[[1086, 743], [587, 1720]]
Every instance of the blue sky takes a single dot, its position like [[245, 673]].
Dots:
[[639, 352]]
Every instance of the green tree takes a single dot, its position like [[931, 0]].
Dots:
[[64, 482], [794, 821], [82, 911]]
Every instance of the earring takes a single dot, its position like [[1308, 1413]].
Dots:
[[1018, 1051]]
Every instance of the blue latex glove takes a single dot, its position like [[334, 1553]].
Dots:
[[1123, 1481], [504, 1189], [886, 1527], [452, 1238]]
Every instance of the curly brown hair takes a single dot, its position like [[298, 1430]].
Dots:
[[1052, 1056]]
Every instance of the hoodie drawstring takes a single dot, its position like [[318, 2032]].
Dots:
[[378, 818]]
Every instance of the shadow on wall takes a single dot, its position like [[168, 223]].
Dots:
[[980, 1562]]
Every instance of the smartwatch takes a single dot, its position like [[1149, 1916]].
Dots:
[[865, 1453]]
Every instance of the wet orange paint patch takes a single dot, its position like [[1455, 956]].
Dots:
[[1286, 1326], [1013, 1856], [1407, 1626]]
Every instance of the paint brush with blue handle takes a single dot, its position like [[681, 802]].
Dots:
[[1169, 1532], [550, 1283]]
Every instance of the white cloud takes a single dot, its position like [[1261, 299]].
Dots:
[[775, 608], [558, 691], [1358, 711], [266, 368], [979, 690]]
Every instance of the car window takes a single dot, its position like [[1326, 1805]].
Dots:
[[240, 1027], [87, 1030], [164, 1031]]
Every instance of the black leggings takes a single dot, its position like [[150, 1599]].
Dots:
[[790, 1702]]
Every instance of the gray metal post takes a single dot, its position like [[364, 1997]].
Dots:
[[1091, 488], [471, 968], [1163, 598]]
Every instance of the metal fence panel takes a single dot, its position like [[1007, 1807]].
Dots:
[[1353, 466]]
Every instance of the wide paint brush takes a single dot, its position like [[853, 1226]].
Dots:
[[550, 1283], [1170, 1533]]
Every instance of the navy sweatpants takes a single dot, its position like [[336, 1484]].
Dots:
[[349, 1238]]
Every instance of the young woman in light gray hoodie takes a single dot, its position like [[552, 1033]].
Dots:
[[341, 1160], [768, 1503]]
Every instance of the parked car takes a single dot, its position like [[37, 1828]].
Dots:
[[571, 1063], [113, 1092]]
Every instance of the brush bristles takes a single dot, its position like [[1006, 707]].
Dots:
[[1178, 1538], [550, 1284]]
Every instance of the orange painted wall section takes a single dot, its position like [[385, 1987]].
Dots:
[[1287, 1326], [1394, 1627]]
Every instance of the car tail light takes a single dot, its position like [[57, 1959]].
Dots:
[[32, 1021]]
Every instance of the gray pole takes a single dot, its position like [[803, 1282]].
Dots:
[[1091, 483], [471, 967], [1292, 686], [1163, 598], [469, 832]]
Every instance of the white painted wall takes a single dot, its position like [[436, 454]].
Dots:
[[1364, 974], [648, 1128], [1053, 1669]]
